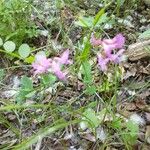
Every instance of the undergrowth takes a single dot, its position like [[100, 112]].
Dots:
[[44, 96]]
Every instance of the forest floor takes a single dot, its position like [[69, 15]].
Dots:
[[38, 117]]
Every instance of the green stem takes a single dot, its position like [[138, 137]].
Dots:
[[11, 54]]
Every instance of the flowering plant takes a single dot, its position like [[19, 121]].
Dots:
[[54, 65], [108, 54]]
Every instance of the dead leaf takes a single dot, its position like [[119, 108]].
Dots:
[[147, 117], [89, 137], [147, 134]]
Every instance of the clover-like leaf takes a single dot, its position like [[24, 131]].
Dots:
[[24, 50], [9, 46]]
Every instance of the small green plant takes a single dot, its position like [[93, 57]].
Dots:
[[127, 131], [26, 90], [15, 21], [9, 47]]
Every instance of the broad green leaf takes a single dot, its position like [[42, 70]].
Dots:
[[24, 50], [1, 42], [90, 89], [132, 127], [145, 34], [30, 94], [9, 46], [48, 79], [25, 90], [131, 134], [85, 22], [86, 49], [91, 117], [87, 72], [116, 123], [102, 19], [26, 83], [89, 22]]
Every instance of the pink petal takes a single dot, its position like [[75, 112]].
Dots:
[[41, 64], [56, 69], [110, 44], [64, 57], [120, 52], [94, 41], [117, 58], [60, 75], [107, 48], [102, 62], [120, 40]]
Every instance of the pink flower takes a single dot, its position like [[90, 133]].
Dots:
[[57, 64], [56, 69], [94, 41], [64, 58], [41, 64], [102, 62], [115, 43], [117, 58], [54, 65], [109, 45]]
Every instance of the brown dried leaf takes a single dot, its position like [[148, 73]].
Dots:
[[147, 134], [89, 137]]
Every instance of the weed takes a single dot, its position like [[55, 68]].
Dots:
[[15, 22]]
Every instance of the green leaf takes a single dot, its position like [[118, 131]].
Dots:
[[48, 79], [132, 127], [9, 46], [30, 94], [29, 59], [85, 22], [24, 50], [91, 117], [88, 22], [116, 123], [90, 89], [131, 134], [26, 83], [145, 34], [86, 48], [87, 72], [21, 96], [102, 19], [1, 42], [25, 91], [98, 16]]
